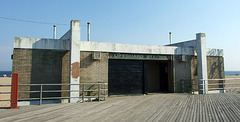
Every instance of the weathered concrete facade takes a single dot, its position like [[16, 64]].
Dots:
[[183, 77], [186, 71], [69, 60]]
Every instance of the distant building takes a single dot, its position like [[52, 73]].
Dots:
[[127, 68]]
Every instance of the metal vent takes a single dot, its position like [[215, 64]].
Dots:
[[96, 55], [182, 58]]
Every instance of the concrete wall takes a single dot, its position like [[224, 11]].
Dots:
[[192, 44], [64, 44], [182, 74], [66, 36], [214, 52], [132, 48], [40, 43]]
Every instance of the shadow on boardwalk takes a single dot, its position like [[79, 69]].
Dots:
[[153, 107]]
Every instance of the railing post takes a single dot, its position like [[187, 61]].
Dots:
[[83, 93], [183, 86], [14, 91], [203, 86], [193, 85], [199, 86], [40, 100], [104, 91], [206, 86], [223, 83], [99, 91]]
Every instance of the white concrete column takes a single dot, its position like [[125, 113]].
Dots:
[[74, 68], [202, 61]]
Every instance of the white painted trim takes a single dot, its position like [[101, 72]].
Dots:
[[40, 43], [131, 48], [58, 44]]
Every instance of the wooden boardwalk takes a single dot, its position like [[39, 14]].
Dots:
[[153, 107]]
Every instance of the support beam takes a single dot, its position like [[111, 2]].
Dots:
[[202, 62], [14, 93], [74, 68]]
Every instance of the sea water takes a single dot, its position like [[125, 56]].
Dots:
[[231, 73], [8, 73]]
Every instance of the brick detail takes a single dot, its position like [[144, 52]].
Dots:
[[215, 66], [93, 71], [65, 73], [38, 67]]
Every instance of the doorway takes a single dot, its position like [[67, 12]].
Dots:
[[125, 77], [158, 73]]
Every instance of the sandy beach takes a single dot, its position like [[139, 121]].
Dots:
[[232, 85], [5, 81]]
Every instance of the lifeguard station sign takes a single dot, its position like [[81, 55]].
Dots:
[[138, 56]]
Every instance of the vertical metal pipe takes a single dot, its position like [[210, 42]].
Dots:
[[204, 90], [40, 100], [172, 58], [99, 90], [83, 93], [54, 31], [88, 29], [104, 91], [223, 81], [194, 86], [170, 37], [199, 86]]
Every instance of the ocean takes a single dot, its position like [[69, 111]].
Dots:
[[227, 73], [231, 73], [8, 73]]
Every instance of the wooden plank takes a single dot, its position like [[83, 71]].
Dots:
[[154, 107]]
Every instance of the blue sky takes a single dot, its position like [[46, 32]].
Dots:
[[126, 21]]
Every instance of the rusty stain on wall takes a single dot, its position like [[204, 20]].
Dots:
[[75, 69]]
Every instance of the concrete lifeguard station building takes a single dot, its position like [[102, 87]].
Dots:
[[127, 68]]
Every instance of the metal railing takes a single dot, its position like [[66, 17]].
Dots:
[[225, 85], [100, 89], [5, 92]]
